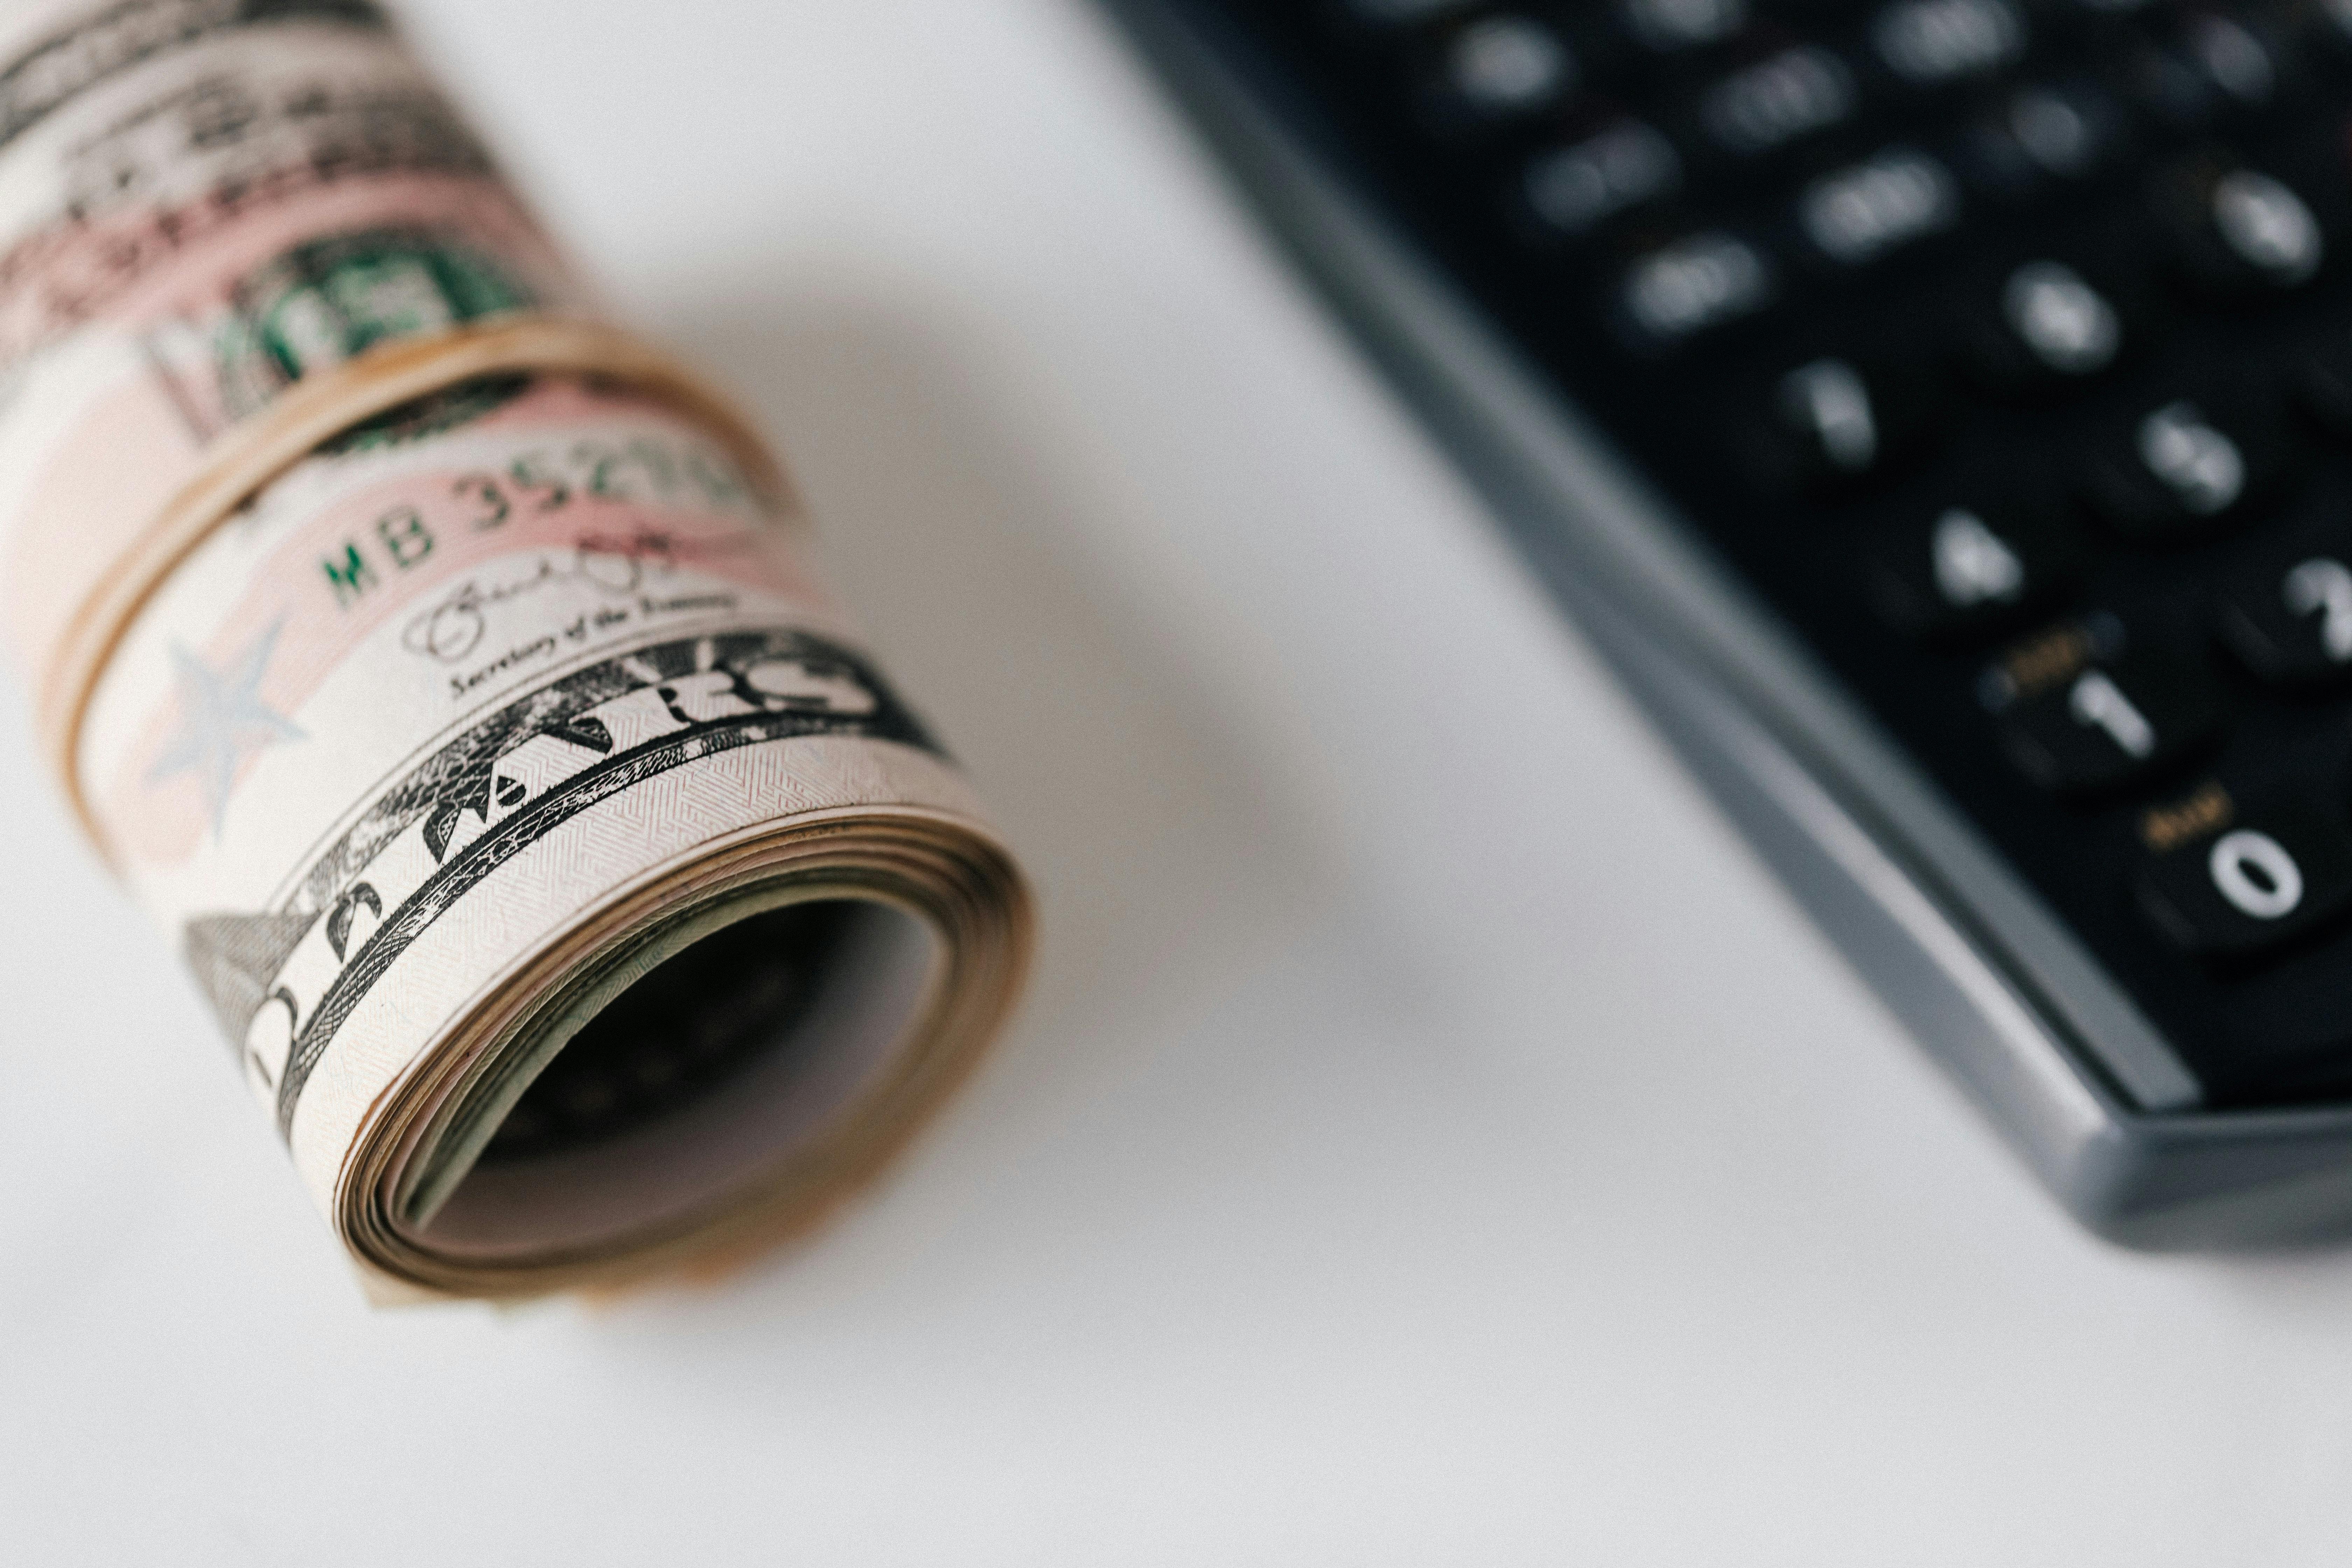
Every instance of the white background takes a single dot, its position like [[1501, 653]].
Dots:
[[1431, 1138]]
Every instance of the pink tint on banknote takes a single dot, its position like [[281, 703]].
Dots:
[[459, 584], [141, 267], [88, 506]]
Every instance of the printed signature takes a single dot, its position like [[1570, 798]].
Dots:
[[453, 626]]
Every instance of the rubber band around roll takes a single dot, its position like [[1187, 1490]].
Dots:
[[315, 411]]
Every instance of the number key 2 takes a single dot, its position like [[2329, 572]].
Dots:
[[2287, 614]]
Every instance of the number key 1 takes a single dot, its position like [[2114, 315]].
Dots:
[[2081, 722]]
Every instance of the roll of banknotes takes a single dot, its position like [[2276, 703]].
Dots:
[[441, 667]]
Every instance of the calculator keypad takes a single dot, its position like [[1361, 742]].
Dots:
[[2005, 348]]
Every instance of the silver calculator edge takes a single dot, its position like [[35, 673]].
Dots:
[[2000, 991]]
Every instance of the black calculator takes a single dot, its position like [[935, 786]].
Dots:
[[1940, 414]]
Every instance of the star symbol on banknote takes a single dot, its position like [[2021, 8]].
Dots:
[[223, 721]]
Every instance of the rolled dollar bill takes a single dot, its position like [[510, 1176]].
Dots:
[[441, 666]]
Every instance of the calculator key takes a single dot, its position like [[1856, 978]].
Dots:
[[2101, 724], [1858, 214], [1961, 572], [2237, 232], [1669, 26], [1928, 43], [1777, 100], [2199, 67], [2318, 31], [1836, 422], [2188, 464], [1696, 285], [1573, 189], [1503, 67], [2266, 877], [2288, 614], [2045, 326], [2042, 136], [2243, 64]]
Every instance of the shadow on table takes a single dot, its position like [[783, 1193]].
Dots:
[[990, 543], [970, 537]]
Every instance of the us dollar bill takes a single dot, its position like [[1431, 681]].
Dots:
[[574, 893]]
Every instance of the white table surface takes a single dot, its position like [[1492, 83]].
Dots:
[[1431, 1138]]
